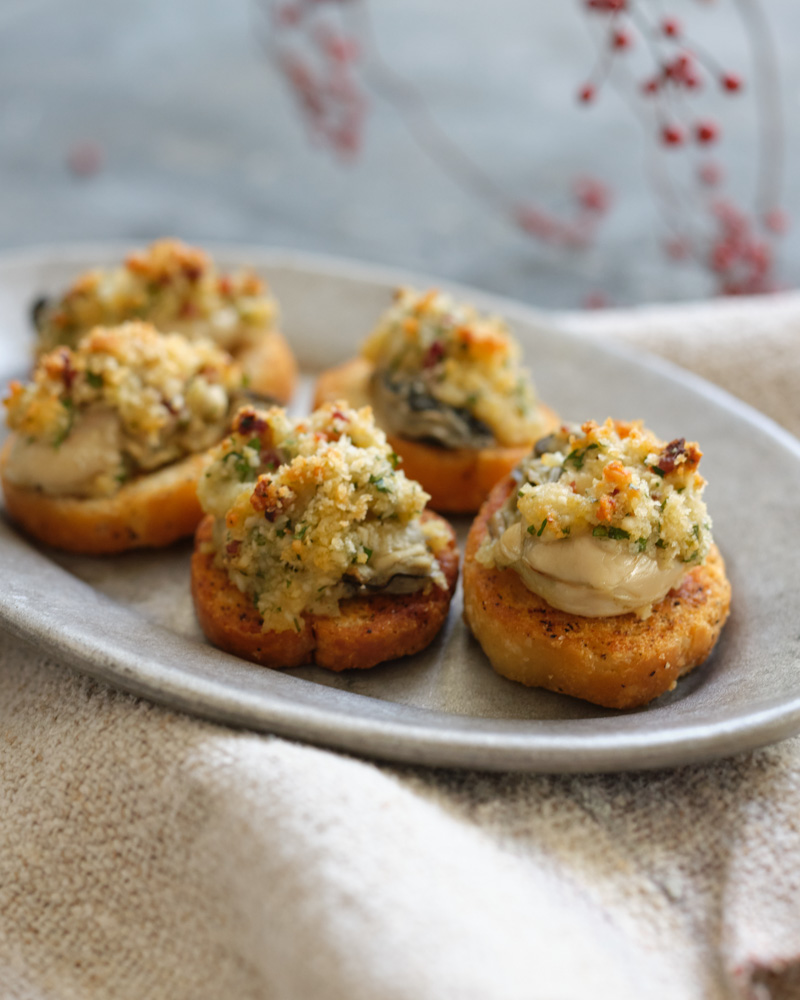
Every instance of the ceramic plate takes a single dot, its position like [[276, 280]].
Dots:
[[129, 620]]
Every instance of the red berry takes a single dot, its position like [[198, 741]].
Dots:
[[722, 257], [650, 86], [672, 135], [596, 300], [710, 174], [341, 49], [776, 221], [85, 158], [587, 93], [706, 132], [731, 82], [534, 222], [620, 40], [289, 14], [592, 195], [759, 255], [677, 248], [607, 6], [671, 27]]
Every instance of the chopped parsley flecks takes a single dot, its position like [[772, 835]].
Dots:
[[379, 484], [65, 431], [578, 456]]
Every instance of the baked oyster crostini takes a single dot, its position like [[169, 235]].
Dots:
[[110, 438], [592, 570], [448, 389], [316, 547], [178, 289]]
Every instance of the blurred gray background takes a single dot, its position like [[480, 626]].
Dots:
[[198, 136]]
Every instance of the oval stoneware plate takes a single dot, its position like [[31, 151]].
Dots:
[[129, 620]]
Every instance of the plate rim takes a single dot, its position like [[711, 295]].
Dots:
[[406, 739]]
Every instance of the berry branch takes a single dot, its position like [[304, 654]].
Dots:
[[329, 55], [736, 245]]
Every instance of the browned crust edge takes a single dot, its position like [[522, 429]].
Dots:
[[368, 631], [151, 511], [617, 662], [270, 366], [458, 479]]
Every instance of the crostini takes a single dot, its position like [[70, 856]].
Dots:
[[315, 547], [447, 388], [110, 438], [178, 289], [592, 570]]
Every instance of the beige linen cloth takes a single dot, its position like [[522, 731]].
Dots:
[[148, 855]]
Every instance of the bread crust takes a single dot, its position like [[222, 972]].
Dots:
[[368, 630], [270, 366], [458, 479], [617, 662], [152, 510]]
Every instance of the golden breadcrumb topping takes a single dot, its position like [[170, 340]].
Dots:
[[150, 399], [449, 353], [618, 481], [175, 287], [309, 511]]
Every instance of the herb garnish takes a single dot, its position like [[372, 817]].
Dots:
[[244, 469], [64, 433], [378, 483], [601, 531], [578, 455]]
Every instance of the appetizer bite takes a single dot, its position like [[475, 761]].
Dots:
[[110, 438], [592, 571], [447, 388], [316, 547], [178, 289]]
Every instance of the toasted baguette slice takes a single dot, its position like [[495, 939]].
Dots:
[[150, 511], [368, 630], [618, 662], [348, 381], [270, 366], [458, 479]]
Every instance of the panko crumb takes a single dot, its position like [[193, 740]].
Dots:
[[127, 399], [617, 480], [308, 511], [175, 287]]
